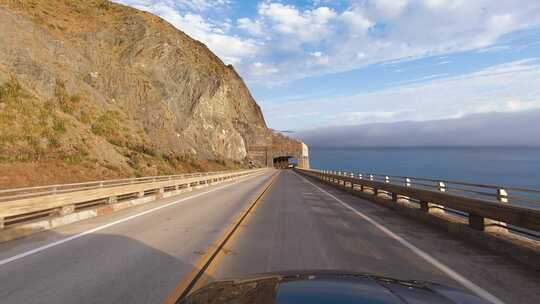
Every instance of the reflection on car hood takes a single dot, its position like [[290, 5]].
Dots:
[[327, 287]]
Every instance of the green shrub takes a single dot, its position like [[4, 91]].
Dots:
[[11, 91], [86, 118], [107, 124], [75, 98], [68, 104], [53, 142], [104, 5], [59, 125]]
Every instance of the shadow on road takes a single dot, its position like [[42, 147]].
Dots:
[[97, 268]]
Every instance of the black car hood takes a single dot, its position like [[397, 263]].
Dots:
[[327, 287]]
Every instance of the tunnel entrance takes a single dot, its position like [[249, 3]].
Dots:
[[284, 162]]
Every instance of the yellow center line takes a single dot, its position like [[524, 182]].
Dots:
[[205, 265]]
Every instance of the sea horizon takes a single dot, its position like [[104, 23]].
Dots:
[[501, 166]]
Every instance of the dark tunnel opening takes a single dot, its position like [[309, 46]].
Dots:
[[284, 162]]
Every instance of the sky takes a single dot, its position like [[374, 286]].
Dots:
[[474, 130], [315, 64]]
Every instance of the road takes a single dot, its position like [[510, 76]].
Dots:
[[136, 261], [299, 224]]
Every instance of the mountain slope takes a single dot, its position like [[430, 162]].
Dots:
[[94, 89]]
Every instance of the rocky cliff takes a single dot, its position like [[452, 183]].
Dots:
[[91, 89]]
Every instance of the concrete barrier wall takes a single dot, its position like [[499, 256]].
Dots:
[[21, 217], [519, 247]]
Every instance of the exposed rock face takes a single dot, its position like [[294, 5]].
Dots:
[[118, 88]]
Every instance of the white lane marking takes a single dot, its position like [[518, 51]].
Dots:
[[428, 258], [84, 233]]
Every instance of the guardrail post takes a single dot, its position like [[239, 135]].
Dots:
[[435, 208], [442, 187], [493, 225], [502, 195], [476, 222], [424, 206], [112, 199], [360, 176], [65, 210], [408, 184], [371, 177], [393, 195]]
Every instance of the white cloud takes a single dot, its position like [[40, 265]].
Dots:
[[444, 4], [502, 88], [478, 130], [390, 8], [303, 26], [373, 31], [230, 48], [262, 69], [518, 105], [254, 28], [351, 118], [351, 35], [192, 5], [356, 21]]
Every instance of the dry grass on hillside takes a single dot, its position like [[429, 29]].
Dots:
[[61, 141]]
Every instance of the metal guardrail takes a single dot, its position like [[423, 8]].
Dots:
[[528, 198], [484, 206], [25, 205], [17, 193]]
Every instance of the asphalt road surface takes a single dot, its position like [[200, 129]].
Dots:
[[136, 261], [300, 224]]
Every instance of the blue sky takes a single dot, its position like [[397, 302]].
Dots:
[[321, 63]]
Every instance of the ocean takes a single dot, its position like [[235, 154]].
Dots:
[[510, 167]]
